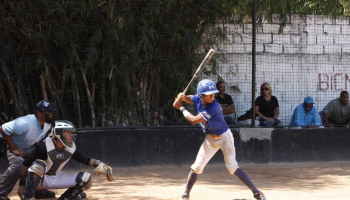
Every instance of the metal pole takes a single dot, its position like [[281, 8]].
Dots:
[[253, 60]]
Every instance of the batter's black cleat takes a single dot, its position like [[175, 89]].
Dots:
[[185, 197], [44, 194], [260, 196]]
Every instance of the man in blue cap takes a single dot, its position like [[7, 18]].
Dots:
[[22, 135], [305, 115]]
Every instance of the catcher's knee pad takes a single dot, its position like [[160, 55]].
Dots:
[[84, 180], [38, 168], [36, 174]]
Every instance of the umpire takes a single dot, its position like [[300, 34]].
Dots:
[[22, 135]]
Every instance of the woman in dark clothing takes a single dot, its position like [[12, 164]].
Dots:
[[266, 106]]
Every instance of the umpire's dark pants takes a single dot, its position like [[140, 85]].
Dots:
[[11, 175]]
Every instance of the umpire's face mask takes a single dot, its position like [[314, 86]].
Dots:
[[49, 118]]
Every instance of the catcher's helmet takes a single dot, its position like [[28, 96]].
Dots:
[[206, 87], [62, 126], [45, 106]]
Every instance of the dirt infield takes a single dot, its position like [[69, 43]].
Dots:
[[294, 181]]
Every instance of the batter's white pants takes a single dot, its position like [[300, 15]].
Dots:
[[60, 181], [210, 146]]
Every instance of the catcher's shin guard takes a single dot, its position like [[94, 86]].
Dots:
[[32, 182], [83, 183], [36, 174]]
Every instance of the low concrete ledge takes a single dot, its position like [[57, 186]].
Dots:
[[137, 146]]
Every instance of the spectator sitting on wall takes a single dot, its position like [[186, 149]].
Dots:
[[226, 103], [266, 106], [305, 115], [337, 111]]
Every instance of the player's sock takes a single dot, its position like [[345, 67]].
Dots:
[[192, 177], [246, 180]]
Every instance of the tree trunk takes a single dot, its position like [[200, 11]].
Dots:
[[103, 93], [76, 98], [3, 97], [21, 95], [30, 92], [158, 85], [86, 86], [63, 84], [16, 105], [43, 88], [54, 92], [127, 86]]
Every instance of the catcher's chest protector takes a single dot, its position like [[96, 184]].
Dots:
[[56, 160]]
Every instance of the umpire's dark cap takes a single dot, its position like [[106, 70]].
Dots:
[[45, 106]]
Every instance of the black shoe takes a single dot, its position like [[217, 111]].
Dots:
[[83, 195], [44, 194], [4, 198]]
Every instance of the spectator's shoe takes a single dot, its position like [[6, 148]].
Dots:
[[260, 196], [185, 197], [4, 198], [44, 194]]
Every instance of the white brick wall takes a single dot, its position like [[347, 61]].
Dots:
[[342, 39], [331, 29], [291, 61], [325, 39], [345, 30], [281, 38]]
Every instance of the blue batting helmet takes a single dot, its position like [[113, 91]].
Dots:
[[206, 87]]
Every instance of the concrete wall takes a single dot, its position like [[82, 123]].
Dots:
[[310, 57], [179, 145]]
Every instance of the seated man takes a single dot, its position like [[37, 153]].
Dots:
[[45, 163], [226, 103], [305, 115], [337, 111]]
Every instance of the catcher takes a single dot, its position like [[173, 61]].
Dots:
[[42, 168]]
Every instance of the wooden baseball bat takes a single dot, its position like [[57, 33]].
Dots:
[[205, 61]]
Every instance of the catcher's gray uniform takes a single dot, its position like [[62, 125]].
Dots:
[[46, 163]]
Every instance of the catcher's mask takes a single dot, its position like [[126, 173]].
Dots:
[[63, 130]]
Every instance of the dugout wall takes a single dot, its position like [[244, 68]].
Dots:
[[132, 147]]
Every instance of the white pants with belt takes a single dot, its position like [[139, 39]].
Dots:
[[210, 146], [64, 179]]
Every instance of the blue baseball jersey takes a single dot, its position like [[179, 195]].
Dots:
[[25, 131], [212, 114]]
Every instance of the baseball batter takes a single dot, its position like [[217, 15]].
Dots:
[[45, 163], [218, 135]]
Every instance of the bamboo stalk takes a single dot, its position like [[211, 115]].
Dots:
[[13, 95], [77, 102], [88, 94], [3, 97], [43, 87]]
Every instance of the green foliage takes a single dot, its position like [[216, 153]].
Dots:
[[122, 48]]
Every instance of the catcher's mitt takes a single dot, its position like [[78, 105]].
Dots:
[[104, 169]]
